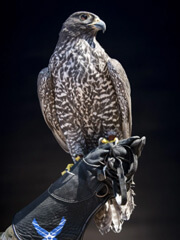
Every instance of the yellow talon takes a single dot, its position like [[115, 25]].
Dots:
[[62, 173], [105, 141], [68, 168], [116, 140]]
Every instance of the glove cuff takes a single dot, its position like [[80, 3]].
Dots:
[[64, 210]]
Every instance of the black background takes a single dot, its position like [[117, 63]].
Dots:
[[143, 36]]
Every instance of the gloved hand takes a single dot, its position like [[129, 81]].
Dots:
[[99, 154], [127, 150], [81, 192], [136, 143], [120, 160]]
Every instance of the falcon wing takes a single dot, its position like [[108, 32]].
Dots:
[[123, 91], [46, 99]]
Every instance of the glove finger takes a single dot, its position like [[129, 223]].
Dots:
[[105, 146], [128, 141], [138, 145], [118, 150], [97, 155], [101, 152]]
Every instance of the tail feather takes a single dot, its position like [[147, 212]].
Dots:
[[116, 221], [103, 218], [112, 215]]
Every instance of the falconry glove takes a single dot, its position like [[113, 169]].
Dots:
[[64, 210], [120, 167]]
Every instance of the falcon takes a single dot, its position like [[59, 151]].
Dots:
[[85, 95]]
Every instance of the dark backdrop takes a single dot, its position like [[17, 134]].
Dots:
[[143, 36]]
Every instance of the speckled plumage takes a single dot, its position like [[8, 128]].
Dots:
[[84, 94]]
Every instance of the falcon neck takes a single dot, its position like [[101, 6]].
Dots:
[[64, 40], [91, 41]]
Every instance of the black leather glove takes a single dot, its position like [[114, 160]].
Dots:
[[120, 160], [63, 211], [98, 154], [71, 201], [127, 150]]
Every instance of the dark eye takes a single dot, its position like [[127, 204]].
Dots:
[[84, 17]]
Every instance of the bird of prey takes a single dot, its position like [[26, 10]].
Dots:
[[84, 95]]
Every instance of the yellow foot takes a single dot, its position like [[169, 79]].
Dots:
[[110, 140], [69, 166], [77, 158]]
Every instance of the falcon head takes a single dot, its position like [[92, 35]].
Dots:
[[82, 23]]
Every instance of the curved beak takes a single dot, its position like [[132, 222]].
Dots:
[[99, 25]]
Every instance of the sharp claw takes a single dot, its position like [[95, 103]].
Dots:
[[68, 168], [100, 141], [116, 140]]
